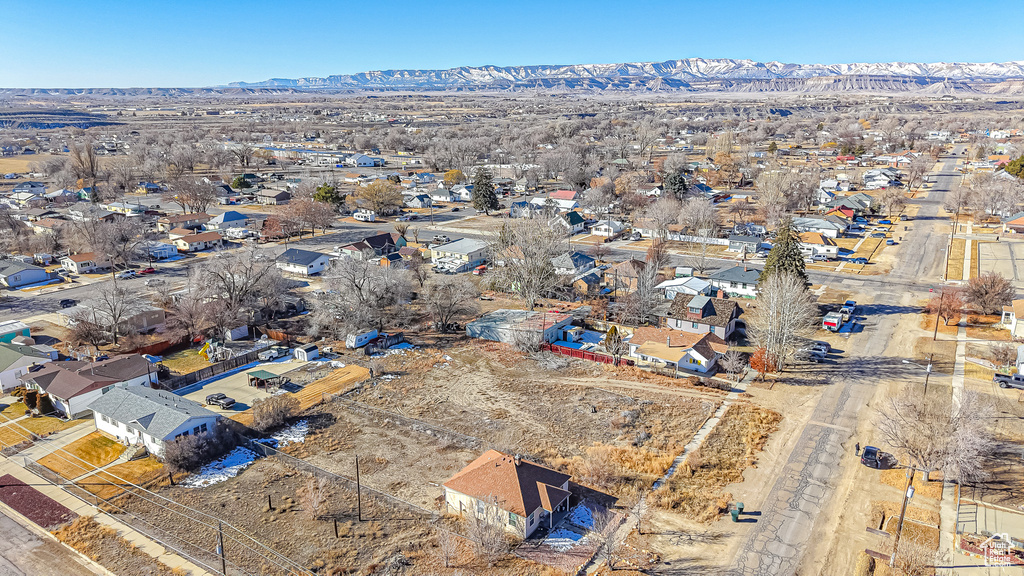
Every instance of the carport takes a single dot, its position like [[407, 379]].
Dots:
[[263, 378]]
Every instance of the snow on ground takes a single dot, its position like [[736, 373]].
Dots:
[[295, 433], [563, 539], [40, 284], [221, 469], [582, 516]]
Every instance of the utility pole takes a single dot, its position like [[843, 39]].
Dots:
[[359, 495], [927, 374], [907, 495], [935, 333]]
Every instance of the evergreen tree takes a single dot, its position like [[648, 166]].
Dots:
[[773, 147], [785, 255], [1016, 167], [328, 194], [485, 198], [675, 184], [240, 183]]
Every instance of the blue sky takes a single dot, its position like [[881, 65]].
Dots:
[[103, 43]]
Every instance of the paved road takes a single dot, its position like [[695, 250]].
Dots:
[[776, 546], [23, 552]]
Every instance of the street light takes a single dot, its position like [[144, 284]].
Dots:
[[927, 371], [903, 512]]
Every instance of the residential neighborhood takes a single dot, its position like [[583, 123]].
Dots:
[[697, 316]]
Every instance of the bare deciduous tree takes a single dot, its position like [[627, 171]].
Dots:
[[272, 412], [360, 294], [381, 196], [989, 292], [773, 188], [488, 533], [314, 496], [733, 362], [525, 248], [449, 298], [784, 311], [932, 435], [113, 304], [700, 219], [193, 196], [235, 280]]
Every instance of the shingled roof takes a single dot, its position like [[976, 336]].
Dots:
[[155, 412], [723, 311], [518, 487]]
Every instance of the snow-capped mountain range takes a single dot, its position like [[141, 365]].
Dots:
[[690, 74]]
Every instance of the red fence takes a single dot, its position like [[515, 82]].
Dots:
[[585, 355]]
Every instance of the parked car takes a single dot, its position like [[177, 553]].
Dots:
[[456, 209], [68, 302], [153, 282], [125, 275], [807, 356], [871, 457], [441, 239], [220, 399], [819, 258], [402, 219], [820, 344], [859, 260], [479, 270], [904, 217], [63, 272], [635, 236], [878, 235], [147, 271], [890, 242], [1009, 380], [885, 221]]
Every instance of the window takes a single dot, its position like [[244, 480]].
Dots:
[[511, 519], [529, 519], [107, 389], [479, 508], [202, 427], [694, 324]]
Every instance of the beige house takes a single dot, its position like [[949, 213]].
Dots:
[[198, 242], [517, 494]]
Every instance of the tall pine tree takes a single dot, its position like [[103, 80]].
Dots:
[[785, 255], [485, 198]]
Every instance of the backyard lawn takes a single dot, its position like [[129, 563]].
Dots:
[[106, 484], [13, 433], [95, 449]]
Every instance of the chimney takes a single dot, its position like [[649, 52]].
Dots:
[[517, 459], [668, 340], [720, 294]]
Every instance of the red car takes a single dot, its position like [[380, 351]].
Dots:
[[147, 271]]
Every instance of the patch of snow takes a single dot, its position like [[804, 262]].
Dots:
[[563, 539], [447, 358], [582, 516], [40, 284], [294, 433], [221, 469], [337, 364]]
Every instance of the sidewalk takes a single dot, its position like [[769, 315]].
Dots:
[[947, 512], [45, 446], [136, 538]]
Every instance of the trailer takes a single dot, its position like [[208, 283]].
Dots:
[[832, 321]]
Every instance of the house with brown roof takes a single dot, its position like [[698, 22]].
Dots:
[[701, 314], [185, 221], [626, 275], [84, 263], [198, 242], [73, 384], [517, 494], [673, 349], [818, 244]]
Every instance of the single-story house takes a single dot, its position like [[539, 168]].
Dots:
[[15, 273], [507, 326], [565, 195], [516, 494], [738, 243], [470, 252], [702, 314], [573, 263], [15, 360], [688, 285], [609, 228], [142, 317], [72, 384], [827, 226], [524, 209], [736, 281], [815, 244], [199, 242], [233, 219], [418, 201], [159, 250], [186, 221], [1014, 223], [304, 262], [666, 348], [86, 263], [149, 417], [271, 197], [555, 204], [11, 329]]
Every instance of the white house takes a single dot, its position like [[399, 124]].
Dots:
[[15, 360], [572, 263], [1013, 318], [303, 262], [72, 385], [608, 228], [159, 250], [556, 203], [736, 281], [816, 244], [149, 417], [690, 285], [84, 263], [823, 226], [571, 222], [673, 349], [464, 253]]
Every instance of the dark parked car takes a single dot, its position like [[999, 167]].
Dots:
[[878, 235], [220, 399], [455, 209], [1009, 380], [871, 457], [68, 302], [859, 260]]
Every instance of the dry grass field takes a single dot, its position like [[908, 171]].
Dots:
[[15, 432], [95, 449], [955, 264]]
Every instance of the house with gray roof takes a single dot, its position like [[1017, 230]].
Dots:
[[17, 359], [736, 281], [302, 262], [15, 273], [150, 417]]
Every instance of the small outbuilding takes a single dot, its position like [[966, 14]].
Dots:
[[307, 352]]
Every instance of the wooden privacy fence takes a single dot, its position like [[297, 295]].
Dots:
[[586, 355], [210, 371]]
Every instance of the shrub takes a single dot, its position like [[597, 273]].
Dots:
[[189, 453], [31, 399], [865, 565], [274, 411]]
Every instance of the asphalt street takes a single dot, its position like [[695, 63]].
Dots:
[[786, 526], [23, 552]]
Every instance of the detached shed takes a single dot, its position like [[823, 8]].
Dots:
[[307, 352]]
